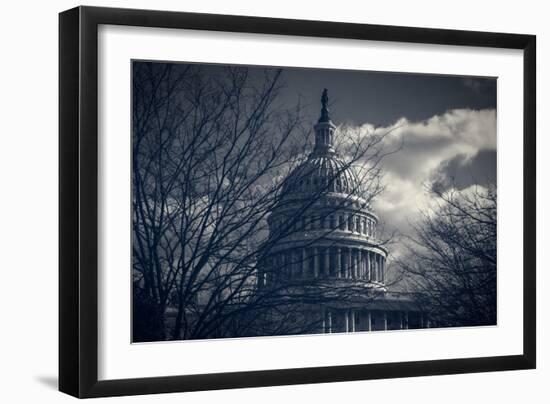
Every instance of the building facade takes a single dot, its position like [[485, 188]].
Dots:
[[326, 251]]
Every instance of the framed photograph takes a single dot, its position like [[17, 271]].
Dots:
[[251, 201]]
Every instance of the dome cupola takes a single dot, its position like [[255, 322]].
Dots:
[[324, 129]]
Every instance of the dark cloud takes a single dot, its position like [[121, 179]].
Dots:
[[462, 171], [481, 86]]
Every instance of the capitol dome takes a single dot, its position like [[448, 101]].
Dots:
[[323, 242], [322, 172], [322, 227]]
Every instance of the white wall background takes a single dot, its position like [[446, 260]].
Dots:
[[28, 202]]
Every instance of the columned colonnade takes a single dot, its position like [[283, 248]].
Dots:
[[329, 261], [352, 320], [362, 224]]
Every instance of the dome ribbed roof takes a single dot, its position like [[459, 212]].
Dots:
[[324, 173]]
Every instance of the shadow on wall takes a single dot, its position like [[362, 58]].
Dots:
[[48, 381]]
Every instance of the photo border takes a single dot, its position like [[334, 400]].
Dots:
[[78, 201]]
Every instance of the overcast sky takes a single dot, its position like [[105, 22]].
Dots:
[[383, 98], [445, 124]]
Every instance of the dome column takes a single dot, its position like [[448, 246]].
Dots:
[[316, 259], [346, 321], [327, 262], [352, 267], [369, 277], [363, 265], [344, 269], [375, 267], [377, 264], [369, 321], [355, 273], [327, 322], [303, 262], [338, 262], [383, 270], [358, 263], [350, 264]]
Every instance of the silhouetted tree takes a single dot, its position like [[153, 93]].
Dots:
[[210, 149], [452, 257]]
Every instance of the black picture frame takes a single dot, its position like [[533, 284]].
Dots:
[[78, 200]]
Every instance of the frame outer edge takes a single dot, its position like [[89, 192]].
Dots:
[[78, 206], [69, 80], [530, 201], [88, 203], [308, 28]]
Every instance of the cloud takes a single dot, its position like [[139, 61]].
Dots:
[[454, 149], [479, 85], [424, 145], [462, 171]]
